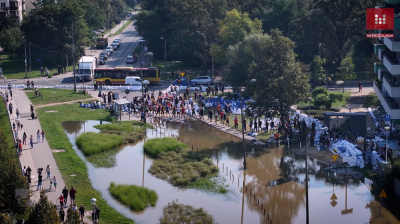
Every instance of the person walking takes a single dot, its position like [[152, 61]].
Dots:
[[43, 134], [349, 106], [39, 185], [17, 112], [61, 199], [82, 212], [31, 141], [48, 171], [38, 135], [62, 214], [72, 193], [32, 108], [10, 108], [11, 94], [236, 122], [55, 182], [359, 87], [65, 194]]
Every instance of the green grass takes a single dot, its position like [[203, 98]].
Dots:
[[55, 96], [6, 127], [14, 68], [104, 159], [172, 66], [130, 131], [122, 28], [137, 198], [72, 168], [181, 167], [338, 99], [372, 100], [91, 143], [155, 146]]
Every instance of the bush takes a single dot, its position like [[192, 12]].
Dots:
[[130, 131], [321, 99], [155, 146], [92, 143], [180, 213], [319, 90], [137, 198]]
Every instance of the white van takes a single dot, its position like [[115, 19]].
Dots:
[[133, 81]]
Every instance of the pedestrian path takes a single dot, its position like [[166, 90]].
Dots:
[[40, 155]]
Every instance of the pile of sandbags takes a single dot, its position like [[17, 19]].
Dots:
[[348, 152], [309, 121], [373, 159]]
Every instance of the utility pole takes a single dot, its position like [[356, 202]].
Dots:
[[241, 115], [73, 55], [30, 60], [26, 63], [141, 74], [212, 62]]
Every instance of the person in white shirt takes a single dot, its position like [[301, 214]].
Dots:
[[48, 171]]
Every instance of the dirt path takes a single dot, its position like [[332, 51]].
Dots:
[[62, 103]]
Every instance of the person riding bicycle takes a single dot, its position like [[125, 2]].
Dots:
[[36, 92]]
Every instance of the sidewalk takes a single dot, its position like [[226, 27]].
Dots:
[[40, 155]]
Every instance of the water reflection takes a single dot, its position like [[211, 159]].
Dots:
[[275, 177]]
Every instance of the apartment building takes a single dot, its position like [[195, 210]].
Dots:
[[388, 70], [12, 8]]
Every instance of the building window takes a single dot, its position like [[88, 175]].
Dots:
[[3, 5]]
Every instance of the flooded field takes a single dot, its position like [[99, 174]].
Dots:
[[274, 177]]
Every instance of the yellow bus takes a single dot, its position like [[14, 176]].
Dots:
[[117, 75]]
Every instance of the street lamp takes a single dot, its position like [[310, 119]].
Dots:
[[307, 210], [141, 73], [73, 53], [241, 114], [387, 133], [93, 201], [165, 52]]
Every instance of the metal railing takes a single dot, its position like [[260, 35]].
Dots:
[[12, 133]]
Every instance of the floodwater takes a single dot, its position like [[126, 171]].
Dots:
[[276, 178]]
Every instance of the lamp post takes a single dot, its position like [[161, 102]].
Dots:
[[165, 52], [141, 74], [93, 201], [307, 210], [73, 56], [26, 62], [387, 133], [241, 115]]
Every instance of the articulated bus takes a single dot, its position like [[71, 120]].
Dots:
[[116, 76]]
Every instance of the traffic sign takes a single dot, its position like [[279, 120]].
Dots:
[[334, 157], [383, 194], [333, 203], [127, 91], [182, 74], [334, 151], [387, 117], [333, 197]]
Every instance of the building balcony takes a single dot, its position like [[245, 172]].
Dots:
[[377, 66], [377, 48], [392, 44], [382, 72], [392, 67], [392, 87], [4, 9], [14, 8], [388, 103]]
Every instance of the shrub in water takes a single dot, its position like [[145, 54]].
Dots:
[[92, 143], [137, 198], [180, 213], [155, 146]]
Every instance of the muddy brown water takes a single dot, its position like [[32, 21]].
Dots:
[[275, 177]]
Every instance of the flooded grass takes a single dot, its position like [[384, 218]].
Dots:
[[91, 143], [210, 185], [130, 131], [137, 198], [104, 159], [181, 167], [180, 213], [155, 146], [69, 162]]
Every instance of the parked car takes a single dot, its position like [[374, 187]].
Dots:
[[134, 22], [181, 82], [116, 42], [130, 59], [104, 54], [202, 80], [110, 50], [102, 60], [114, 46]]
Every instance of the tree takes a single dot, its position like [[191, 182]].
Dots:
[[72, 217], [233, 28], [280, 79], [370, 67], [318, 71], [346, 70], [44, 212], [11, 40]]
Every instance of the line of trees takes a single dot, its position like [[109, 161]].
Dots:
[[48, 27]]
